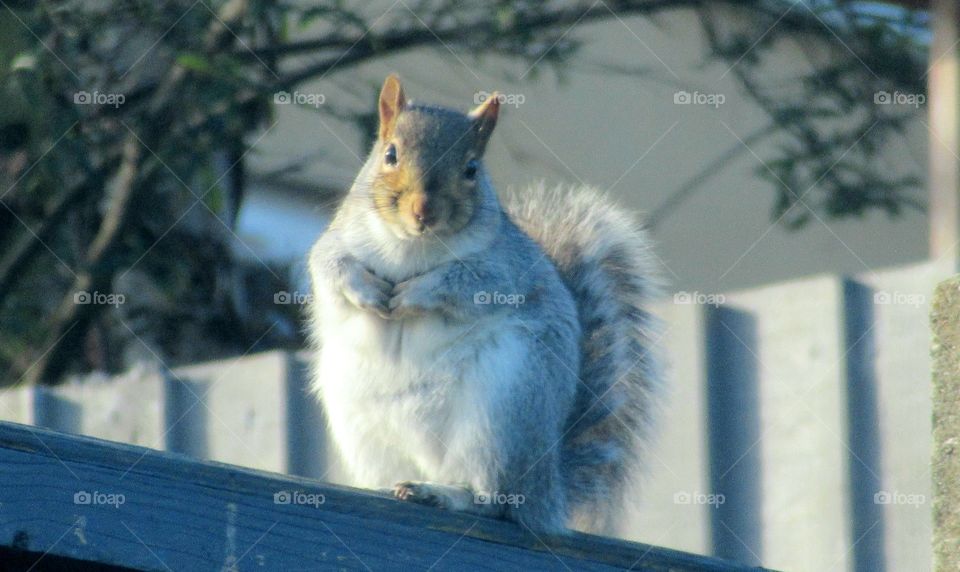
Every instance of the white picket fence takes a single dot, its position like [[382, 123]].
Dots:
[[797, 434]]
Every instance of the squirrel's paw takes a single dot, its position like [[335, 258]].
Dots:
[[450, 497], [414, 297], [367, 291], [420, 493]]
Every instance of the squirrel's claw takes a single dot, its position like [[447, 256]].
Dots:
[[419, 493], [400, 309], [380, 284], [367, 291], [403, 301], [400, 287], [375, 304], [382, 312]]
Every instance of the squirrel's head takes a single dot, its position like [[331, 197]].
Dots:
[[428, 161]]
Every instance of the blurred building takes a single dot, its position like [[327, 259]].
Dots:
[[634, 137]]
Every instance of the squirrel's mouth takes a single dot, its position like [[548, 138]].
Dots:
[[407, 228], [415, 229]]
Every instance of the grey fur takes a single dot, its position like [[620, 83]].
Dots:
[[607, 263]]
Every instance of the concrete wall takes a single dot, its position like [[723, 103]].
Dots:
[[797, 433]]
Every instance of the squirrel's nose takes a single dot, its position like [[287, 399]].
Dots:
[[421, 211]]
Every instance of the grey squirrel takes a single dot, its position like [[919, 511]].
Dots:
[[487, 358]]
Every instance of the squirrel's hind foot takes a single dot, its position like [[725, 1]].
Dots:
[[448, 497]]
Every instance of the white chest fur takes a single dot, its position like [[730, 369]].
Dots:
[[406, 399]]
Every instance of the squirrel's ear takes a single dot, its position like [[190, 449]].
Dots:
[[484, 118], [392, 101]]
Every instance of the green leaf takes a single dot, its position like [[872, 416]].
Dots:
[[194, 62]]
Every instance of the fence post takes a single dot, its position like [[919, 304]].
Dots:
[[733, 411], [804, 482], [185, 416], [863, 428], [308, 451]]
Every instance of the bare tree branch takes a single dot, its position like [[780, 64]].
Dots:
[[18, 257], [364, 47], [64, 336]]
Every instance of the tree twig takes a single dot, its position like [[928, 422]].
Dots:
[[363, 47], [70, 320]]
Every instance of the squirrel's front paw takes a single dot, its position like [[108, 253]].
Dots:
[[413, 297], [367, 291]]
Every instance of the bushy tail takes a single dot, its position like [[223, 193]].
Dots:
[[606, 262]]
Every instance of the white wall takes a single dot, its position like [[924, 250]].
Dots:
[[625, 135]]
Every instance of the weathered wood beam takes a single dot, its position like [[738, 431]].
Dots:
[[118, 505]]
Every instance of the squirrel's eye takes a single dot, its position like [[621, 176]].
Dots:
[[470, 173], [390, 157]]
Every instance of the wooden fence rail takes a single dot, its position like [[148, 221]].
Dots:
[[78, 501]]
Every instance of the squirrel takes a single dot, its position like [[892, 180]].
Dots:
[[487, 357]]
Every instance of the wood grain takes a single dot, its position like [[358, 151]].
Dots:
[[153, 510]]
